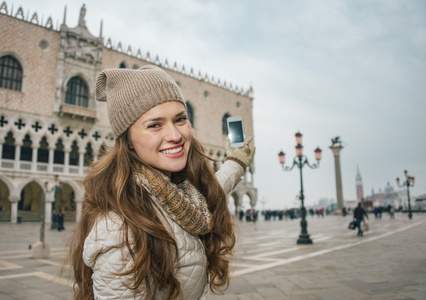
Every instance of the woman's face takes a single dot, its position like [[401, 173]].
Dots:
[[162, 137]]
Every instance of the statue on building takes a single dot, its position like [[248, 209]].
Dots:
[[81, 21], [336, 141]]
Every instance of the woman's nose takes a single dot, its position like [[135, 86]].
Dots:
[[173, 134]]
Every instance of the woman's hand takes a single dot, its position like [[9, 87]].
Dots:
[[244, 154]]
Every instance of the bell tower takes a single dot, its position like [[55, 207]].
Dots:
[[359, 188]]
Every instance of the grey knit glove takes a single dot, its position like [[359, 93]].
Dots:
[[243, 155]]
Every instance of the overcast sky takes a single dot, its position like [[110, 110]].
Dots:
[[354, 69]]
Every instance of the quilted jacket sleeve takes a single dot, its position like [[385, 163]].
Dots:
[[105, 253], [229, 175]]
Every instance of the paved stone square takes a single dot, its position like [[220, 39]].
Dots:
[[388, 262]]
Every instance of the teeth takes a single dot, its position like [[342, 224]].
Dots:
[[172, 151]]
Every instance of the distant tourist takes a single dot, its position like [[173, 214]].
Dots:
[[54, 224], [359, 214], [60, 220]]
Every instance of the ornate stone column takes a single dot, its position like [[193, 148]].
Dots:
[[14, 208], [34, 158], [49, 198], [1, 148], [17, 155], [81, 162], [336, 148], [79, 196], [78, 211], [51, 156], [67, 151]]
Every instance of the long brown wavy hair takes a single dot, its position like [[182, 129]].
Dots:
[[109, 186]]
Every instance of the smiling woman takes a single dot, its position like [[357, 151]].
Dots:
[[155, 223], [162, 137]]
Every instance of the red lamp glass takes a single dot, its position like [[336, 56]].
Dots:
[[299, 138], [318, 153], [397, 180], [281, 157], [299, 150]]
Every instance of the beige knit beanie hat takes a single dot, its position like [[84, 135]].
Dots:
[[130, 93]]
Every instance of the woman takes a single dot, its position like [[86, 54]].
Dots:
[[155, 223]]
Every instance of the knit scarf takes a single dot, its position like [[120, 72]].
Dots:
[[182, 201]]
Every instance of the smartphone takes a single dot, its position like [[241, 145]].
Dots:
[[236, 131]]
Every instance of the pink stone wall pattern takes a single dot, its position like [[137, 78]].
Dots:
[[38, 90]]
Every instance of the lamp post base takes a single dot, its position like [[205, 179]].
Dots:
[[304, 239]]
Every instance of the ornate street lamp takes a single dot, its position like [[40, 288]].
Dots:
[[409, 181], [300, 161]]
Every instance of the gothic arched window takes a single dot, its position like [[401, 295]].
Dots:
[[43, 151], [59, 154], [190, 113], [10, 73], [26, 150], [88, 155], [9, 146], [122, 65], [224, 124], [74, 156], [77, 92]]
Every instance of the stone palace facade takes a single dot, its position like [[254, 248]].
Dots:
[[51, 127]]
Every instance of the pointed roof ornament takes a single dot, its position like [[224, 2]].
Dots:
[[3, 6], [224, 84], [218, 82], [20, 13], [49, 23], [157, 61], [109, 43], [200, 77], [251, 92], [100, 31], [191, 72], [166, 64], [212, 80], [148, 57], [139, 54], [119, 47], [65, 16], [175, 66], [34, 18], [11, 10], [129, 50], [183, 69]]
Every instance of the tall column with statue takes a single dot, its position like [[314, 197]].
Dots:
[[336, 147]]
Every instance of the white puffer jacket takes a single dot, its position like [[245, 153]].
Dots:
[[106, 254]]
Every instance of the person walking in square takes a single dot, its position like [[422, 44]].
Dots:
[[60, 219], [359, 214]]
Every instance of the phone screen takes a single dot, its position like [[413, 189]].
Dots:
[[236, 134]]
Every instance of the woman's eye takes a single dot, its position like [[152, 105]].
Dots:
[[153, 125], [182, 119]]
